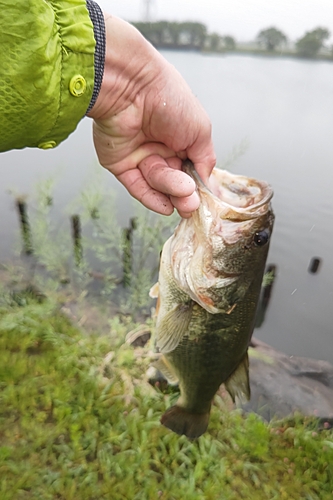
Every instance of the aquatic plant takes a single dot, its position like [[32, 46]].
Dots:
[[98, 257]]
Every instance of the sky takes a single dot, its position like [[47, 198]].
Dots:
[[242, 19]]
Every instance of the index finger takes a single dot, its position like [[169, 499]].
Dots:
[[166, 176]]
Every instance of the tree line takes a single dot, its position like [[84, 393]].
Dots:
[[185, 35], [195, 36], [307, 46]]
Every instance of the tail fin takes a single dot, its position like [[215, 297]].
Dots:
[[182, 422]]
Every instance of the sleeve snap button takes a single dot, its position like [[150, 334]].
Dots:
[[47, 145], [77, 85]]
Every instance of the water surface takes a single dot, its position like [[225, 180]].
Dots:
[[284, 109]]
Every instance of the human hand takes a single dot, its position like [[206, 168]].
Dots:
[[146, 121]]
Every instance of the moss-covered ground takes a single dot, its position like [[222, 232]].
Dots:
[[78, 421]]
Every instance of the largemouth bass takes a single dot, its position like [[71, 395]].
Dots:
[[210, 276]]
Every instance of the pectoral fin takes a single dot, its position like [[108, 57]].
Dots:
[[162, 365], [238, 384], [173, 327]]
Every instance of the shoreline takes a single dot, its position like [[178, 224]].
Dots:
[[244, 52]]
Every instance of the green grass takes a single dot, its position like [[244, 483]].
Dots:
[[73, 427]]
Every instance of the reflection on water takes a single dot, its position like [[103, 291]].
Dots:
[[284, 109]]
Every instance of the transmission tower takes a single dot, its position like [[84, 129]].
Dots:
[[147, 4]]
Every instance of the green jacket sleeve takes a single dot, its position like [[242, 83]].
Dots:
[[46, 70]]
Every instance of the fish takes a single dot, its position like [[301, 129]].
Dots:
[[210, 276]]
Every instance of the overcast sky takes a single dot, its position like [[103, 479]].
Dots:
[[242, 19]]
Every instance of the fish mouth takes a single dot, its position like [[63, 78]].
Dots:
[[240, 197]]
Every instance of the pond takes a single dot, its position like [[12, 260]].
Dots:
[[280, 111]]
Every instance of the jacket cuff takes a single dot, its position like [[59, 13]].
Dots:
[[97, 18]]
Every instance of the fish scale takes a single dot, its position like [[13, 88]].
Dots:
[[198, 363]]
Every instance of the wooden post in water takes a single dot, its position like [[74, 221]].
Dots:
[[128, 251], [21, 206], [77, 238], [314, 265]]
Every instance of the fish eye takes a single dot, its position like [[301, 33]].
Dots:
[[261, 237]]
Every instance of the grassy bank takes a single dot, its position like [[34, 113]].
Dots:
[[79, 421]]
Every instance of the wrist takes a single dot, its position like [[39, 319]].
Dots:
[[131, 64]]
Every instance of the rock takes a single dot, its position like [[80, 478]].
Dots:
[[282, 384]]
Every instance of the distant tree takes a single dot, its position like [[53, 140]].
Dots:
[[214, 42], [310, 44], [217, 43], [229, 42], [175, 32], [158, 32], [271, 38], [196, 34], [172, 34], [149, 31]]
